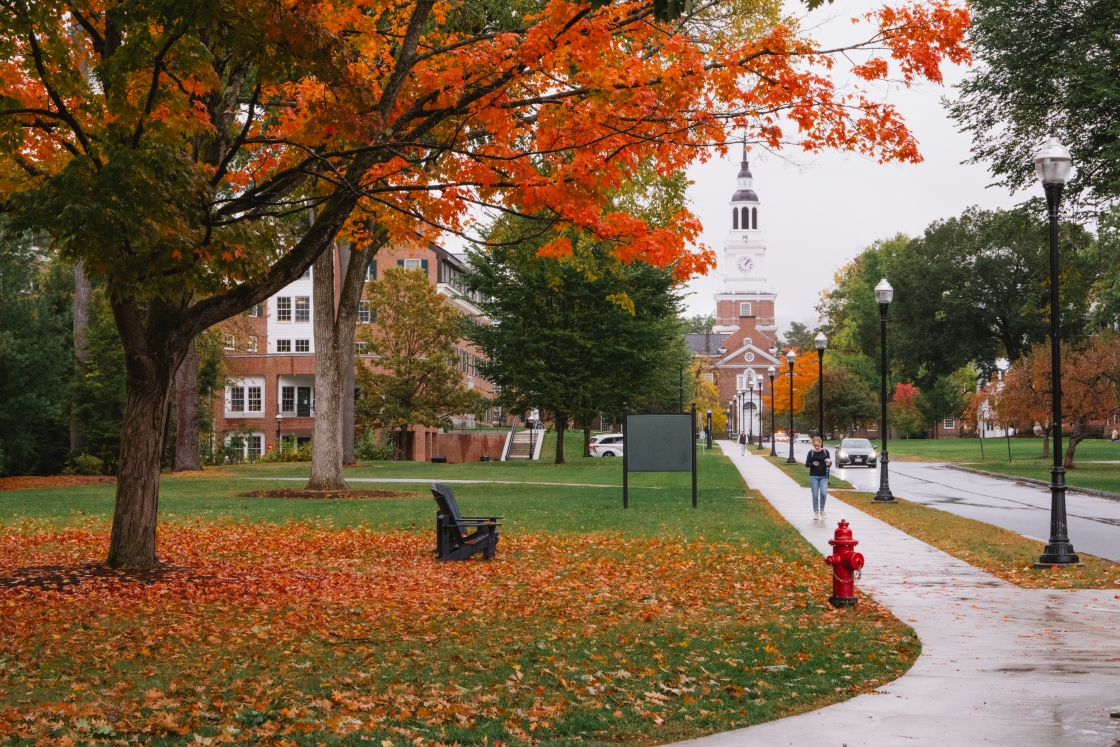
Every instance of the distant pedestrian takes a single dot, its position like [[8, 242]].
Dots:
[[819, 462], [742, 444]]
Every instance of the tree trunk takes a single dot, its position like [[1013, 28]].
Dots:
[[1045, 442], [347, 380], [82, 292], [587, 439], [188, 453], [334, 356], [148, 384], [561, 425], [1076, 437], [326, 449]]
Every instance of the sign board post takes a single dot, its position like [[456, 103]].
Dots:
[[658, 443]]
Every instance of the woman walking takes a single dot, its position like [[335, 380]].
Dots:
[[818, 460], [742, 444]]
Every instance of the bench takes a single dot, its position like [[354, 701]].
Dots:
[[459, 537]]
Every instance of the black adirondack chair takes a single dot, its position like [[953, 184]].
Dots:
[[459, 537]]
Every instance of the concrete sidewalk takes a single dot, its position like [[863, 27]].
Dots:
[[999, 664]]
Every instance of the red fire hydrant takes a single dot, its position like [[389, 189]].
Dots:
[[846, 564]]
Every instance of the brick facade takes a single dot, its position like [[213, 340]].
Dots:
[[265, 355]]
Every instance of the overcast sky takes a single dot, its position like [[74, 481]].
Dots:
[[821, 211]]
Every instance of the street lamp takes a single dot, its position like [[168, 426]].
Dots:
[[821, 342], [1053, 165], [791, 358], [772, 372], [883, 294], [279, 419], [750, 411], [708, 431], [761, 387], [739, 410]]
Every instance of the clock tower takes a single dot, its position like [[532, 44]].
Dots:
[[745, 302]]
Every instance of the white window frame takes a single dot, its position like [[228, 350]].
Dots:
[[284, 309], [237, 397], [252, 343], [283, 346], [302, 346], [363, 312], [949, 424], [230, 342], [287, 399], [254, 399], [413, 264], [745, 308], [256, 311], [301, 310]]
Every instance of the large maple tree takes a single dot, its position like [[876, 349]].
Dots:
[[177, 148]]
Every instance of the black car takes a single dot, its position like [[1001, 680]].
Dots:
[[856, 452]]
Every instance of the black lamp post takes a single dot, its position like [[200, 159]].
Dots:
[[883, 294], [1053, 165], [279, 420], [708, 431], [772, 372], [727, 424], [791, 358], [821, 342], [739, 410], [750, 411], [761, 386]]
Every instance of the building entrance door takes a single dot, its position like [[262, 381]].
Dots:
[[303, 402]]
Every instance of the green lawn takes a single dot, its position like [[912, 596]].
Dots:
[[328, 622]]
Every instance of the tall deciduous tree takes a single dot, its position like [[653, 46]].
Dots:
[[173, 146], [848, 402], [1044, 67], [417, 381]]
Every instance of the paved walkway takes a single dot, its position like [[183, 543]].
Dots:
[[1094, 522], [999, 665], [430, 480]]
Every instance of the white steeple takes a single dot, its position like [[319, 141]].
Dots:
[[745, 248]]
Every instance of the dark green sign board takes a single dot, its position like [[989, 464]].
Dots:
[[658, 443]]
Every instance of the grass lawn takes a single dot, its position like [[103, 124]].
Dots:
[[326, 622], [998, 551]]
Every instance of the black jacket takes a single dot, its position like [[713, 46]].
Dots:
[[820, 470]]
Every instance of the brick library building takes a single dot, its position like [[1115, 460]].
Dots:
[[270, 362]]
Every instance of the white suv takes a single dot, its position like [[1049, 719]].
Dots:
[[606, 445]]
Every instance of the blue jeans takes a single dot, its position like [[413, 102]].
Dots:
[[819, 486]]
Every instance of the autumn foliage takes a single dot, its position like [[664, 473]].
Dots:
[[297, 632], [804, 377], [1090, 377]]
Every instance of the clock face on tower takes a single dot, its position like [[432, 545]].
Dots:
[[745, 264]]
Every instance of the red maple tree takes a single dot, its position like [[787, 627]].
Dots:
[[179, 150]]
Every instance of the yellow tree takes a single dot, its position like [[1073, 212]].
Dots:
[[706, 395]]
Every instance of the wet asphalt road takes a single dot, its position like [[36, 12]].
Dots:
[[1094, 523]]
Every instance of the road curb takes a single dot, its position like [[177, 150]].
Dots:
[[1032, 481]]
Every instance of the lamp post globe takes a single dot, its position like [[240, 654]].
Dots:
[[279, 420], [772, 372], [791, 358], [1052, 164], [884, 294], [821, 343]]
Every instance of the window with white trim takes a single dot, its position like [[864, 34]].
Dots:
[[303, 308], [252, 343], [950, 423], [253, 445], [361, 347], [363, 312], [287, 399], [237, 399], [303, 346], [230, 342], [254, 399], [283, 308], [283, 346], [745, 308], [413, 264], [256, 310]]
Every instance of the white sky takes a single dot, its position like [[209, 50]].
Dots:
[[822, 210]]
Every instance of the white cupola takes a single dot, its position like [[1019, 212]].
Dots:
[[744, 203]]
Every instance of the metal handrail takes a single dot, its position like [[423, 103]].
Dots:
[[509, 442]]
